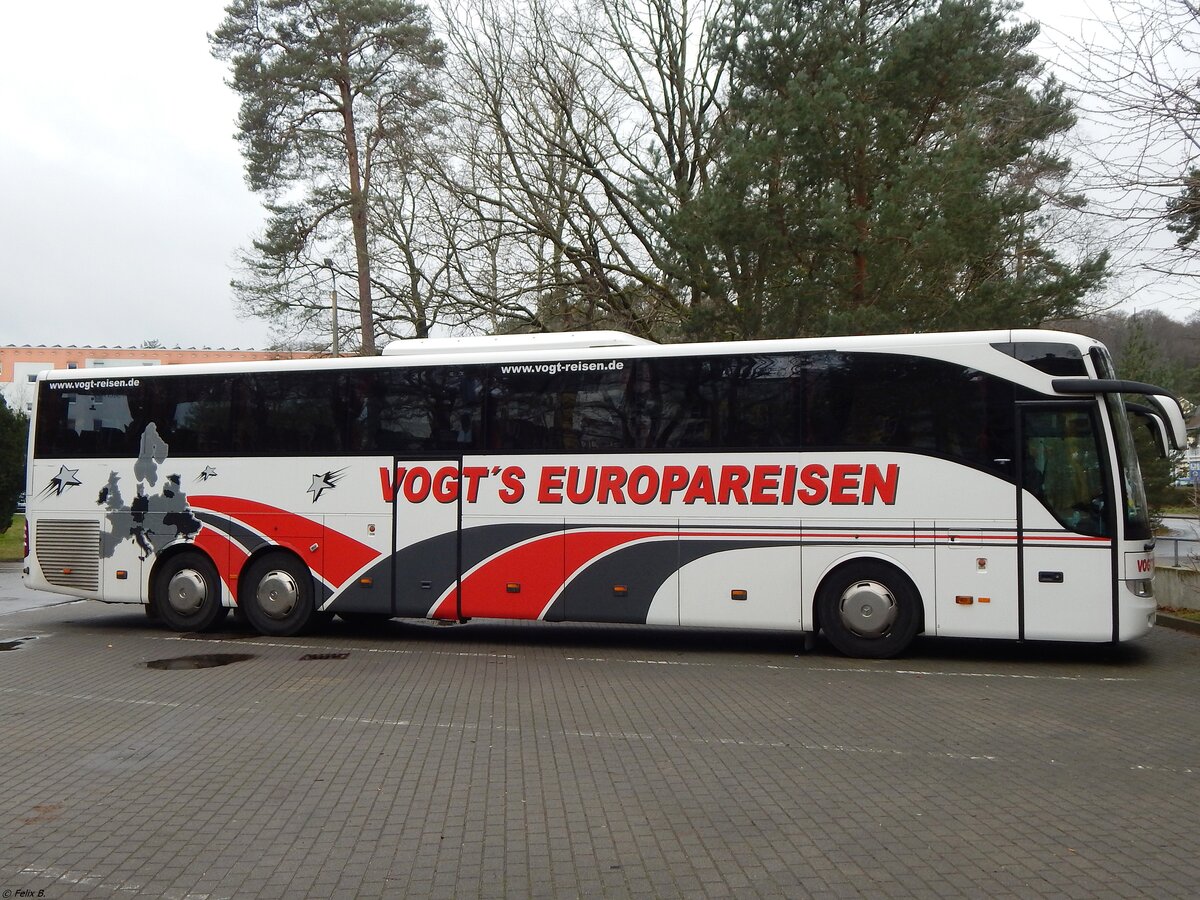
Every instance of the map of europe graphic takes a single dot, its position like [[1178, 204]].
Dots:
[[152, 520]]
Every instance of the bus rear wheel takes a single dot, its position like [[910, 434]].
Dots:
[[868, 610], [277, 595], [187, 592]]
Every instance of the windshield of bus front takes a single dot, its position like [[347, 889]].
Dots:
[[1137, 515], [1136, 508]]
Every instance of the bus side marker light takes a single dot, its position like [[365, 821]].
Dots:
[[964, 601], [513, 587], [739, 595], [366, 582], [985, 599], [620, 590], [66, 571], [122, 574], [981, 564], [313, 548]]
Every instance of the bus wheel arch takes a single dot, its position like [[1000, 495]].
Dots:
[[868, 607], [276, 593], [186, 590]]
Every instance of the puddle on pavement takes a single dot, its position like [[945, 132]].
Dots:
[[201, 661], [325, 656], [15, 643]]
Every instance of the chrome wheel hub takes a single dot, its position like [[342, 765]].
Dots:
[[277, 594], [868, 609], [187, 591]]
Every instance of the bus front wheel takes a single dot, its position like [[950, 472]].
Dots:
[[868, 610], [277, 595], [187, 593]]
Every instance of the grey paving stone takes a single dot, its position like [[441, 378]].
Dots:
[[515, 760]]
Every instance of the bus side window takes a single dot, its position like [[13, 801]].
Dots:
[[563, 410], [677, 403], [761, 403]]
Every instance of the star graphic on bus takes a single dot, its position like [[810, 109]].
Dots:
[[209, 472], [64, 479], [322, 483]]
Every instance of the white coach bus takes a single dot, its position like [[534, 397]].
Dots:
[[869, 488]]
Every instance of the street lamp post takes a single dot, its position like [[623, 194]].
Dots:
[[333, 303]]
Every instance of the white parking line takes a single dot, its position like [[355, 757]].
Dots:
[[852, 671]]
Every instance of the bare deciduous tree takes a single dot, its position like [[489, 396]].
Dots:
[[1134, 68], [578, 130]]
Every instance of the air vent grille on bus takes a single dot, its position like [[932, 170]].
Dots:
[[68, 552]]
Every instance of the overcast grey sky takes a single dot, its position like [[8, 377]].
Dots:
[[124, 201]]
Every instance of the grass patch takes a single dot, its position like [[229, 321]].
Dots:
[[12, 542], [1192, 615]]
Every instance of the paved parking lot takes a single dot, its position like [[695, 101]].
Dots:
[[497, 759]]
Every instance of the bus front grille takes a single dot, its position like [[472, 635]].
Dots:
[[68, 552]]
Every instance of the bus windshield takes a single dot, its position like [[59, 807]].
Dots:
[[1136, 508], [1137, 515]]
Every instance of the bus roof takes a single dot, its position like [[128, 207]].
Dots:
[[962, 346], [506, 343]]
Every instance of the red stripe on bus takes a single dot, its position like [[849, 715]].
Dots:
[[227, 556], [342, 556], [850, 537], [537, 570]]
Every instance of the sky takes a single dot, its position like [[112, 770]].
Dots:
[[124, 200]]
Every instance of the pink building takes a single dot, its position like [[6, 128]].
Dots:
[[19, 366]]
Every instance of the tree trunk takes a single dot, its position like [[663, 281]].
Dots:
[[358, 224]]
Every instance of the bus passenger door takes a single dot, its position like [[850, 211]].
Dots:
[[1067, 520], [425, 517]]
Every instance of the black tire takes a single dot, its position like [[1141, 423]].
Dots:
[[869, 610], [187, 592], [277, 595]]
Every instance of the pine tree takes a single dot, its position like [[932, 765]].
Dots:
[[325, 84], [883, 168]]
